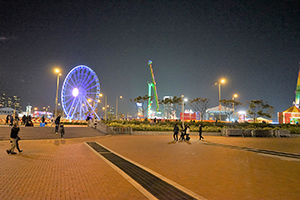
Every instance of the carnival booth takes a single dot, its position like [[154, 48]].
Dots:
[[289, 116]]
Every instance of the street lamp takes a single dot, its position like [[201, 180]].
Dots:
[[233, 98], [220, 82], [105, 105], [58, 74], [117, 107], [182, 108]]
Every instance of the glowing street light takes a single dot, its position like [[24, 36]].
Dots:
[[233, 98], [58, 74], [220, 82], [105, 105], [117, 106], [182, 108]]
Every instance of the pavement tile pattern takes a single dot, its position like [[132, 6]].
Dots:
[[156, 186], [56, 168]]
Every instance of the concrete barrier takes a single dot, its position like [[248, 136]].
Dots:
[[262, 133], [282, 133], [233, 132]]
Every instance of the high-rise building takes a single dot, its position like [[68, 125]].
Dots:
[[10, 101]]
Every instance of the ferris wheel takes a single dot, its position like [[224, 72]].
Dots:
[[80, 93]]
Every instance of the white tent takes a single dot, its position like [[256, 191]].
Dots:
[[216, 109], [215, 113]]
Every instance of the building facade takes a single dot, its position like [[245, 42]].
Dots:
[[13, 101]]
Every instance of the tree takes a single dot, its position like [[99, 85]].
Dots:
[[171, 105], [259, 108], [200, 104], [229, 104], [142, 100], [167, 106]]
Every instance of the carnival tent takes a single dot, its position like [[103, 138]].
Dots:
[[289, 116]]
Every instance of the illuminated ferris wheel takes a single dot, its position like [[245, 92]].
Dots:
[[80, 93]]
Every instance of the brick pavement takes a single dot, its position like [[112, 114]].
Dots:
[[60, 169], [68, 169]]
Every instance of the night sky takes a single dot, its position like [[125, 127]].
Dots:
[[254, 45]]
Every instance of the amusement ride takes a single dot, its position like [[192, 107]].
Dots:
[[80, 93], [152, 86]]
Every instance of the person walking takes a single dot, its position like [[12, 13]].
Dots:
[[183, 131], [11, 120], [17, 119], [52, 120], [43, 119], [24, 118], [175, 135], [57, 122], [7, 119], [200, 132], [187, 133], [62, 131], [13, 138]]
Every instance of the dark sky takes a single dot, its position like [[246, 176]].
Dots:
[[254, 44]]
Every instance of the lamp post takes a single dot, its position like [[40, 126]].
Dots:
[[233, 98], [182, 108], [58, 74], [105, 106], [117, 107], [220, 108]]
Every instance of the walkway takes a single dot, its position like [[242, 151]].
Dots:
[[216, 168]]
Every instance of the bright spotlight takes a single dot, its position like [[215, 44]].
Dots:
[[75, 92]]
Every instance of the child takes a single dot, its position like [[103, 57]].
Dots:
[[62, 131]]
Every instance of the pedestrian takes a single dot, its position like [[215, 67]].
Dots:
[[11, 119], [43, 119], [29, 118], [62, 131], [175, 135], [187, 133], [200, 132], [24, 118], [57, 122], [7, 119], [52, 120], [13, 139], [17, 119], [183, 129]]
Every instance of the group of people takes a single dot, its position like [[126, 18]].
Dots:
[[14, 134], [11, 118], [185, 133]]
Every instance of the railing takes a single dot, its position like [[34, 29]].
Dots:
[[122, 130]]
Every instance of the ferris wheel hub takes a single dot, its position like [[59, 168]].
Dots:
[[75, 92]]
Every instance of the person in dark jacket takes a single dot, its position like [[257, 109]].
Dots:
[[24, 119], [62, 131], [176, 130], [183, 132], [200, 132], [11, 119], [7, 119], [13, 138], [57, 122]]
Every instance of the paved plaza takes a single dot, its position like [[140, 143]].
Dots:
[[216, 168]]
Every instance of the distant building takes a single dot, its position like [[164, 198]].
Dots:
[[13, 102]]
